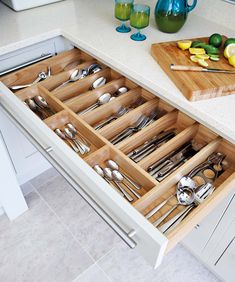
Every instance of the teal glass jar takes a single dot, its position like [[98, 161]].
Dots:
[[171, 15]]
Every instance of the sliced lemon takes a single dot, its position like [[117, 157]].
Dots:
[[231, 60], [194, 59], [185, 44], [197, 51], [202, 56], [229, 51], [202, 63]]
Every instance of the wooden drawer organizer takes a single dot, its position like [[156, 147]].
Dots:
[[74, 97]]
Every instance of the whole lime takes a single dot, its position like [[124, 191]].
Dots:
[[216, 40], [229, 41]]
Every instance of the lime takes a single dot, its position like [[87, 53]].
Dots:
[[215, 59], [231, 60], [215, 40], [229, 41], [229, 50], [211, 49], [198, 44], [195, 51], [185, 44]]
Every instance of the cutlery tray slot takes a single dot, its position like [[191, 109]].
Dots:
[[162, 192], [59, 63], [131, 118], [83, 101], [106, 153], [74, 90], [61, 119], [35, 91], [130, 100], [195, 133]]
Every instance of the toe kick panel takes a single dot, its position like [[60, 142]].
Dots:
[[151, 172]]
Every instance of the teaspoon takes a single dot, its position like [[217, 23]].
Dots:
[[98, 82], [103, 99], [75, 131], [109, 175], [114, 166], [75, 75], [62, 136], [34, 107], [42, 103], [117, 176], [72, 136]]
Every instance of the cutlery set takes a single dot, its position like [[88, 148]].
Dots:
[[119, 180], [151, 145], [75, 140], [39, 106], [142, 122], [169, 163], [189, 193]]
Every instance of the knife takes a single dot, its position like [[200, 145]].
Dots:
[[194, 68]]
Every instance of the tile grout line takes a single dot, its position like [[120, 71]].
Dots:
[[65, 226]]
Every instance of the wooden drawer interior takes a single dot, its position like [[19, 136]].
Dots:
[[67, 102]]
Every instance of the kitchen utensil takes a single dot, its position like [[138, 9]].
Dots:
[[100, 171], [98, 82], [122, 12], [171, 15], [109, 175], [76, 132], [71, 135], [94, 68], [103, 99], [195, 68], [121, 91], [62, 136], [74, 76], [139, 19], [41, 76], [35, 108], [201, 194], [114, 166], [185, 198], [118, 177], [200, 85], [42, 103]]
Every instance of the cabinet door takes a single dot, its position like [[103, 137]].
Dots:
[[27, 161]]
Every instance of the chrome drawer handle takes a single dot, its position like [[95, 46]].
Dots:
[[49, 149]]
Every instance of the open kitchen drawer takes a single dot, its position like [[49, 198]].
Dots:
[[67, 104]]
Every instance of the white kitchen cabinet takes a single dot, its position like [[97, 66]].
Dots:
[[126, 219]]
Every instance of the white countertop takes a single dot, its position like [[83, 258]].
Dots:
[[91, 26]]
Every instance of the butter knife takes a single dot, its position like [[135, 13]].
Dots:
[[200, 69]]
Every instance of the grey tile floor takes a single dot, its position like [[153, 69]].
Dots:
[[61, 238]]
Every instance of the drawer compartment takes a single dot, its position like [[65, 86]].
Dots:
[[66, 102]]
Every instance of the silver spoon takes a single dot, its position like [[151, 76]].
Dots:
[[100, 171], [103, 99], [75, 75], [98, 82], [109, 175], [185, 197], [94, 68], [41, 76], [119, 178], [72, 136], [121, 91], [42, 103], [62, 136], [75, 131], [34, 107], [114, 166]]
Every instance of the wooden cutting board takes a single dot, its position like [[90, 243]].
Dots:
[[194, 85]]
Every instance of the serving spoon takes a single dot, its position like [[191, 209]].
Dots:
[[41, 76]]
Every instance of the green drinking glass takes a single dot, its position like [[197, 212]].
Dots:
[[122, 12], [139, 19]]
